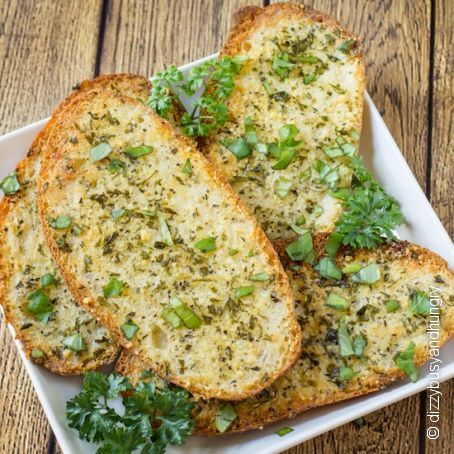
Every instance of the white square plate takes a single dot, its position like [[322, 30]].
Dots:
[[384, 159]]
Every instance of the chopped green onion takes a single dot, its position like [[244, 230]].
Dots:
[[137, 152], [299, 230], [239, 147], [309, 79], [224, 417], [284, 431], [354, 135], [37, 353], [333, 244], [260, 277], [346, 45], [341, 193], [262, 148], [282, 65], [392, 306], [187, 168], [367, 275], [346, 373], [47, 280], [169, 315], [10, 184], [39, 305], [302, 249], [333, 152], [301, 220], [287, 157], [311, 59], [164, 230], [267, 87], [251, 133], [61, 222], [305, 174], [420, 303], [348, 149], [405, 361], [241, 292], [340, 140], [74, 342], [129, 329], [351, 268], [337, 302], [101, 151], [328, 269], [207, 244], [288, 132], [186, 314], [113, 288], [117, 213], [343, 338], [359, 345], [116, 166], [282, 187]]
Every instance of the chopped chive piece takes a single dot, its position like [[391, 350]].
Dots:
[[351, 268], [61, 222], [233, 252], [359, 345], [302, 249], [340, 140], [74, 342], [346, 45], [405, 361], [10, 184], [267, 87], [187, 167], [116, 166], [37, 353], [262, 148], [224, 417], [420, 304], [145, 374], [328, 175], [305, 174], [346, 373], [328, 269], [113, 288], [239, 147], [241, 292], [301, 220], [251, 133], [354, 135], [333, 244], [282, 65], [260, 277], [333, 152], [47, 280], [348, 149], [207, 244], [392, 306], [287, 157], [39, 305], [101, 151], [367, 275], [309, 79], [169, 315], [129, 329], [186, 314], [164, 230], [337, 302], [311, 59], [137, 152], [299, 230], [343, 338], [341, 193], [284, 431], [282, 187], [117, 213]]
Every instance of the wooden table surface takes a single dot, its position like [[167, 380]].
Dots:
[[48, 46]]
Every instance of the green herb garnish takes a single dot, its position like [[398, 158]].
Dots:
[[61, 222], [392, 306], [113, 288], [137, 152], [10, 184], [282, 187], [186, 314], [37, 353], [129, 329], [101, 151], [116, 166], [333, 244], [260, 277], [420, 303], [224, 417], [284, 431], [367, 275], [328, 269], [74, 342], [47, 280], [117, 213], [405, 361], [187, 167], [337, 302], [164, 230], [241, 292], [207, 244], [170, 316], [39, 305], [346, 373], [302, 249], [239, 147], [282, 65], [343, 338]]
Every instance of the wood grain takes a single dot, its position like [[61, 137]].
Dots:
[[44, 50]]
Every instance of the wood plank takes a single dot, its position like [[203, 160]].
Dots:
[[144, 37], [45, 48], [396, 38], [441, 180]]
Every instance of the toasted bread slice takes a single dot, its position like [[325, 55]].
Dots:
[[303, 69], [165, 229], [25, 258], [314, 380]]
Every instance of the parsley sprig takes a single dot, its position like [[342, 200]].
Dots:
[[210, 109], [153, 418]]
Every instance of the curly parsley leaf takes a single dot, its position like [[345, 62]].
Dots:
[[370, 215]]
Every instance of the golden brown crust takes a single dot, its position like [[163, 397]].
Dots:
[[84, 296], [268, 408], [51, 361]]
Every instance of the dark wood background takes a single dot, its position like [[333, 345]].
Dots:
[[47, 46]]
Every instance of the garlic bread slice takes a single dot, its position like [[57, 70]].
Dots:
[[53, 329], [358, 337], [167, 257], [294, 116]]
